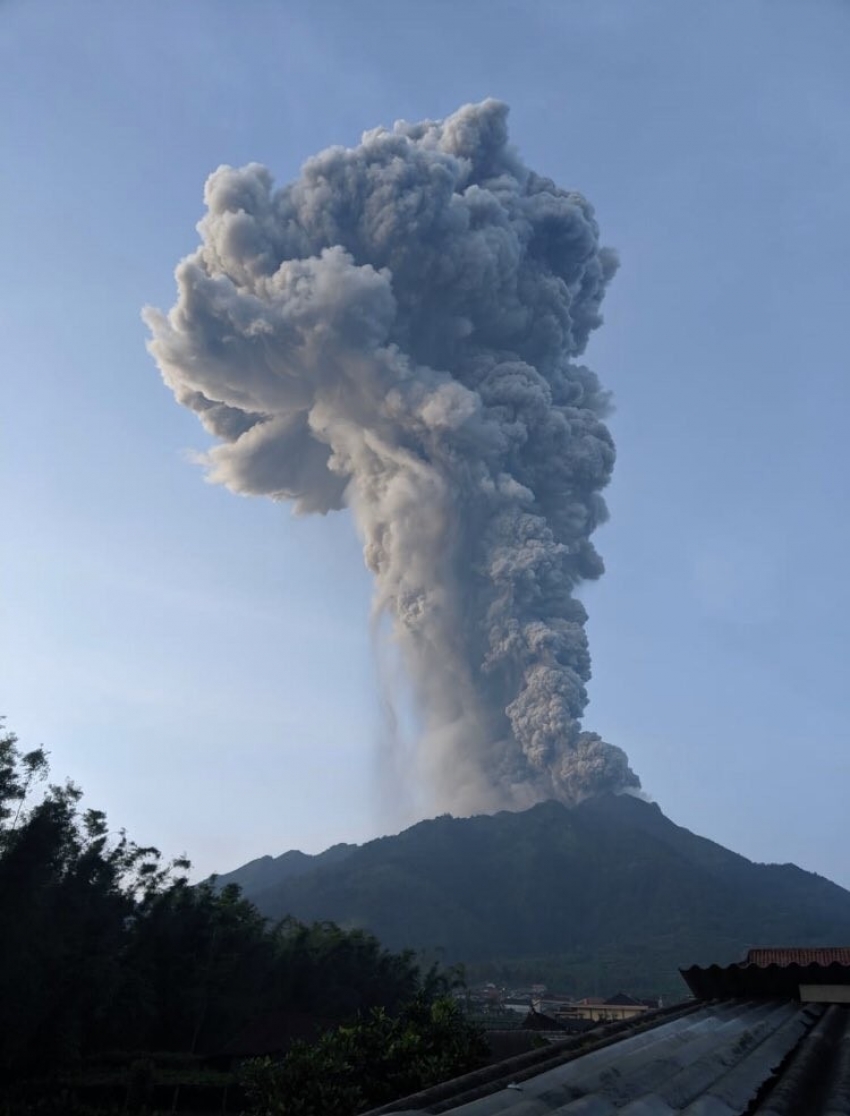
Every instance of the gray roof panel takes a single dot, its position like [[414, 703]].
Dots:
[[715, 1059]]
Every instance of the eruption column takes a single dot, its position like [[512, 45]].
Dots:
[[396, 332]]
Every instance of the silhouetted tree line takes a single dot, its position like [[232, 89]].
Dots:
[[104, 947]]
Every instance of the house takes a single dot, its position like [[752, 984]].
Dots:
[[767, 1036], [617, 1007]]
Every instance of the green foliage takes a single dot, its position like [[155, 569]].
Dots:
[[369, 1062], [104, 947]]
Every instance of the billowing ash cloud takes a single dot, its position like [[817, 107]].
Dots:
[[395, 332]]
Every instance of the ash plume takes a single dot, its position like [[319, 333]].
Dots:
[[395, 332]]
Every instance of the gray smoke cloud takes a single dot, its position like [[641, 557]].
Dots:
[[395, 332]]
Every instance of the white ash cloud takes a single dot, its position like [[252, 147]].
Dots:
[[396, 332]]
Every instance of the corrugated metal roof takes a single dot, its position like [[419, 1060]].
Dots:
[[746, 1047], [730, 1058], [771, 972], [832, 955], [760, 981]]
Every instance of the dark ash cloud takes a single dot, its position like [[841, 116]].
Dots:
[[396, 332]]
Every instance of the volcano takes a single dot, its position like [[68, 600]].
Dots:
[[591, 899]]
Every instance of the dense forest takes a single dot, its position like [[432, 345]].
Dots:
[[124, 988]]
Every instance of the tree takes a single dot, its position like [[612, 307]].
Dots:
[[105, 948], [369, 1062], [66, 896]]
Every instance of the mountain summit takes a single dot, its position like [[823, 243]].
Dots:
[[609, 894]]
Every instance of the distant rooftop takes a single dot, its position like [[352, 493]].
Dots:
[[777, 972], [828, 955]]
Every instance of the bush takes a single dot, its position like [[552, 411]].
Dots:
[[370, 1062]]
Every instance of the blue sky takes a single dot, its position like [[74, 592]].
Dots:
[[201, 664]]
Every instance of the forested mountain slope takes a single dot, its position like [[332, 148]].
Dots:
[[609, 894]]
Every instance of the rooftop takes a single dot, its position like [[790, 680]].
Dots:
[[772, 973], [723, 1059], [828, 955], [763, 1054]]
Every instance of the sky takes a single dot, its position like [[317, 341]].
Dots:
[[201, 664]]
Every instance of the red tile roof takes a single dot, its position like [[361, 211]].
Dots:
[[827, 955]]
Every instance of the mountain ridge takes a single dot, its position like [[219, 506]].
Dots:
[[609, 893]]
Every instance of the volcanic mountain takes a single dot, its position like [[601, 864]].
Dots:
[[604, 896]]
